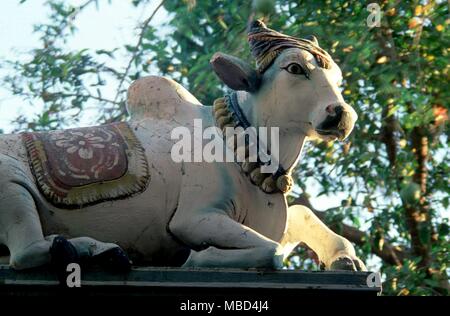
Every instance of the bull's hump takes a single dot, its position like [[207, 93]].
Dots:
[[158, 97]]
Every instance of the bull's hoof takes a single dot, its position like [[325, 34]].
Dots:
[[62, 254], [343, 263], [346, 263], [114, 260]]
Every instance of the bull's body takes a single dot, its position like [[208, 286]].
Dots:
[[140, 224], [195, 213]]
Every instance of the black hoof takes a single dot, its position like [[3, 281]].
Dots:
[[115, 260], [343, 264], [62, 254]]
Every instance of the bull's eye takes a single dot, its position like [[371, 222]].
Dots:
[[296, 69]]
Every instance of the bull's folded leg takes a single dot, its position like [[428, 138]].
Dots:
[[227, 242], [336, 252], [20, 228], [108, 255], [62, 253], [258, 257]]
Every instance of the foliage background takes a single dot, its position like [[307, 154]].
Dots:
[[393, 169]]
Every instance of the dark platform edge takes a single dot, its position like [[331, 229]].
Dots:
[[155, 281]]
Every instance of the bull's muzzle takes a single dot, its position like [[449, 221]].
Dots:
[[339, 123]]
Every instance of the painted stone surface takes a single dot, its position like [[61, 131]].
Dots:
[[194, 213]]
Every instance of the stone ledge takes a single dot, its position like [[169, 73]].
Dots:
[[163, 281]]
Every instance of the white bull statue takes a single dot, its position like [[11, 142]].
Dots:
[[114, 190]]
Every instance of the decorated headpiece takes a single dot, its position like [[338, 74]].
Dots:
[[266, 44]]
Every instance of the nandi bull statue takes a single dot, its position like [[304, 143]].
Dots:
[[101, 194]]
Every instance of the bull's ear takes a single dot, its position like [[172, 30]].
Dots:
[[235, 73], [313, 39]]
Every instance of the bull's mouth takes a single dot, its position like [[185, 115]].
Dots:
[[334, 133]]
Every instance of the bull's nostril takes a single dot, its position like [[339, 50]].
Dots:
[[334, 109], [329, 109]]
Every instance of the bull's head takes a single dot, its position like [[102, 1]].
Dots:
[[295, 85]]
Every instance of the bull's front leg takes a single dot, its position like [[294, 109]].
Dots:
[[336, 252], [224, 242], [203, 221]]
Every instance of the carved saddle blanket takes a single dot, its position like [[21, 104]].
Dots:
[[84, 166]]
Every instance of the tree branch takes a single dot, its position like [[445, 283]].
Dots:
[[89, 96], [417, 216], [144, 27]]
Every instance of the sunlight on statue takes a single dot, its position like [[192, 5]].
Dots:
[[108, 191]]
